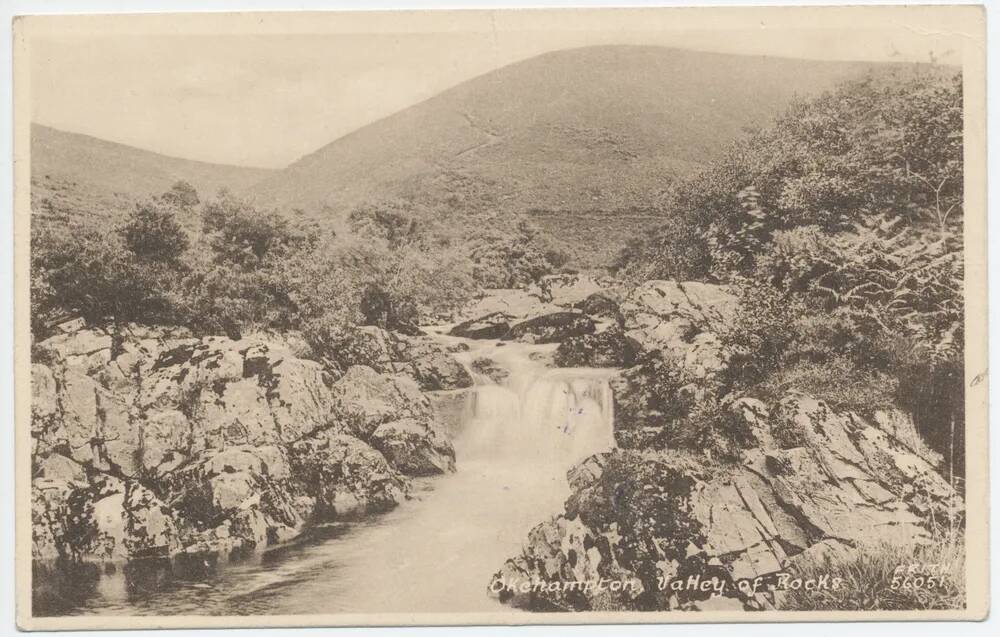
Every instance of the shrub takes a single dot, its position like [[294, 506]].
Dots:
[[759, 333], [153, 233]]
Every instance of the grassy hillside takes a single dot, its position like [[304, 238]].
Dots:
[[596, 129], [124, 170]]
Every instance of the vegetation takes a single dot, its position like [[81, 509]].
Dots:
[[226, 266], [840, 229], [886, 576]]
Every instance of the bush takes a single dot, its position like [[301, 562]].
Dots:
[[759, 333], [651, 405], [153, 233], [107, 277]]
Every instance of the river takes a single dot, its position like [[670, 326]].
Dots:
[[522, 429]]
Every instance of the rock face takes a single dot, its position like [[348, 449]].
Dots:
[[682, 320], [491, 326], [415, 447], [514, 303], [183, 444], [610, 348], [418, 356], [551, 328], [810, 479]]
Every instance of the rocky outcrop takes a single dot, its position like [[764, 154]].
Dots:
[[366, 399], [490, 326], [683, 321], [551, 328], [415, 447], [809, 480], [601, 305], [516, 304], [427, 361], [489, 368], [609, 348], [564, 289], [182, 444]]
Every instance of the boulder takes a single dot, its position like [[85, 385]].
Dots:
[[490, 369], [514, 303], [551, 328], [345, 475], [239, 497], [564, 289], [110, 519], [682, 320], [370, 346], [414, 447], [58, 467], [601, 305], [366, 399], [431, 364], [610, 348], [490, 326]]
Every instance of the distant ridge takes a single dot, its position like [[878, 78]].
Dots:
[[593, 128], [130, 171]]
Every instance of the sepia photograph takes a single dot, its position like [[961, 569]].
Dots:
[[500, 317]]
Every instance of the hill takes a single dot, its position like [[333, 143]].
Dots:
[[79, 178], [126, 170], [583, 132]]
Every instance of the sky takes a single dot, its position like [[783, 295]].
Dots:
[[266, 92]]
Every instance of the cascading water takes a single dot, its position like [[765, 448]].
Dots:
[[538, 418], [437, 552]]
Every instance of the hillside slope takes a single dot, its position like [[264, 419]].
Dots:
[[595, 128], [126, 170]]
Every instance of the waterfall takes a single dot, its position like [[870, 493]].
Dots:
[[537, 418]]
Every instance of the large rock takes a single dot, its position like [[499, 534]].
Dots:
[[433, 366], [345, 475], [487, 368], [610, 348], [514, 303], [427, 361], [564, 289], [812, 481], [490, 326], [107, 520], [551, 328], [238, 498], [366, 399], [415, 447], [682, 320], [601, 305]]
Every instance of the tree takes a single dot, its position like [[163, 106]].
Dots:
[[241, 235], [181, 194], [153, 233]]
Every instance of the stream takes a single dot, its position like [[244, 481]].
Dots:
[[522, 428]]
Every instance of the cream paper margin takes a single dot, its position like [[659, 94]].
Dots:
[[965, 22]]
